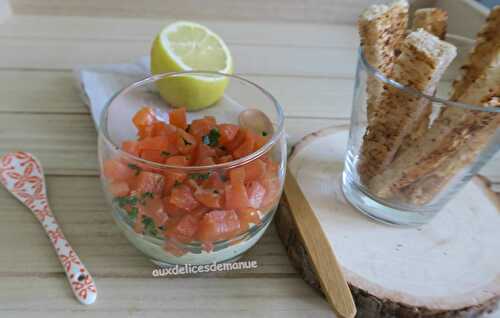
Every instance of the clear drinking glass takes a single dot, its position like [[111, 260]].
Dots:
[[116, 126], [429, 165]]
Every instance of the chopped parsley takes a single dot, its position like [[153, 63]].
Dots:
[[144, 196], [132, 200], [149, 226], [129, 201], [165, 153], [124, 201], [135, 167], [147, 194], [199, 176], [177, 183], [147, 221], [133, 213], [264, 133], [212, 139]]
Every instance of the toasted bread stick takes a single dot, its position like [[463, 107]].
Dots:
[[422, 62], [434, 21], [484, 54], [427, 188], [454, 126], [451, 131], [381, 29], [439, 147]]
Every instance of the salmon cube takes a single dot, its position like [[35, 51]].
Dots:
[[218, 225]]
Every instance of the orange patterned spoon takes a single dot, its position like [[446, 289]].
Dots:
[[22, 175]]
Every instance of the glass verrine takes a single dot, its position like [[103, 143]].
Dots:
[[437, 153], [157, 240]]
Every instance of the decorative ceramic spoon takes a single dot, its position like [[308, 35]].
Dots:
[[329, 271], [22, 175]]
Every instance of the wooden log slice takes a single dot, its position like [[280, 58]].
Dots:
[[447, 268]]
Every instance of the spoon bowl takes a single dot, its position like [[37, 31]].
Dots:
[[256, 121]]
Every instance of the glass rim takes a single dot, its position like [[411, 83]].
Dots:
[[372, 70], [277, 134]]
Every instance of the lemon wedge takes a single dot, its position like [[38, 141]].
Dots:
[[188, 46]]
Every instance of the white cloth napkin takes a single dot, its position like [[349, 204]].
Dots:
[[98, 83]]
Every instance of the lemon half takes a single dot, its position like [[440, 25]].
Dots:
[[188, 46]]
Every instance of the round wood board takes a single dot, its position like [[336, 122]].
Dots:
[[447, 268]]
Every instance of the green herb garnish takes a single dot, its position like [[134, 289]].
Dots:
[[144, 196], [124, 201], [149, 226], [165, 153], [133, 213], [135, 167], [132, 200], [120, 201], [147, 221], [264, 133], [212, 139], [199, 176], [147, 194], [177, 183]]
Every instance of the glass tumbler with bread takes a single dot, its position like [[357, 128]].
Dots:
[[425, 114]]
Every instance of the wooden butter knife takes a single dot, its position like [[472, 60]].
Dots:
[[320, 251]]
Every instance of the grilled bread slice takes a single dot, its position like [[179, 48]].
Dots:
[[381, 29], [422, 62]]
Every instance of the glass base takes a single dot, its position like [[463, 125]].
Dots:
[[381, 211], [166, 264]]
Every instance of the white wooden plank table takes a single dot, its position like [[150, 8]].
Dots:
[[304, 54]]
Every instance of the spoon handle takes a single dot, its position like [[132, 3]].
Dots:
[[78, 276], [22, 175]]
